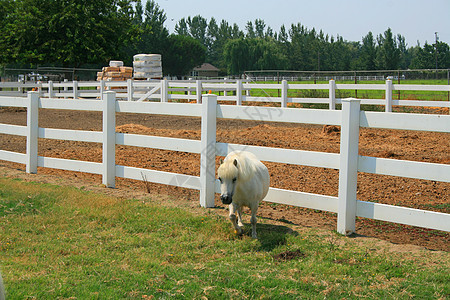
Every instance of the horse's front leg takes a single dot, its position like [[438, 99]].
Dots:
[[233, 218], [239, 217]]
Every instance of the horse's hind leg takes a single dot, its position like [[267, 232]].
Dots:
[[253, 221], [233, 218]]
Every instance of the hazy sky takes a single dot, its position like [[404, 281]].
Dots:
[[416, 20]]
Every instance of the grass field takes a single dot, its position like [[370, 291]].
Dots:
[[62, 242], [362, 94]]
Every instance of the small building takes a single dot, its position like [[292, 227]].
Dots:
[[205, 70]]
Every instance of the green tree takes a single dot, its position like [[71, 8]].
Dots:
[[250, 30], [403, 51], [182, 54], [212, 34], [388, 54], [368, 52], [181, 28], [299, 49], [260, 27], [252, 54], [427, 56], [198, 27], [152, 32], [283, 36], [68, 33]]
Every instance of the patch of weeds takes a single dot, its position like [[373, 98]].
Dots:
[[289, 255]]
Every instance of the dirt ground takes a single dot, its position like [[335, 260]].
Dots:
[[395, 144]]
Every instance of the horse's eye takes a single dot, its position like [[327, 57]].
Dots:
[[234, 179], [220, 179]]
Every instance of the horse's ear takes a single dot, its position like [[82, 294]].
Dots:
[[235, 163]]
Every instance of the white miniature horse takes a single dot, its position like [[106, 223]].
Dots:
[[244, 181]]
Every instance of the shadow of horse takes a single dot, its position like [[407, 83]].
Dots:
[[271, 236]]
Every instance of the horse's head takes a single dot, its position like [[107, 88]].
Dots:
[[228, 173]]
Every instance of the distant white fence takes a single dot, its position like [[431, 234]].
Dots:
[[319, 77], [236, 91], [349, 163]]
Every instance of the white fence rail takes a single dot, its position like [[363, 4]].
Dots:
[[236, 91], [349, 163]]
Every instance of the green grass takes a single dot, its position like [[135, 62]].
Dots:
[[362, 94], [61, 242]]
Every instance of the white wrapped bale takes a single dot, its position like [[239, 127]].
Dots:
[[147, 66], [147, 57], [148, 69], [145, 75], [116, 63]]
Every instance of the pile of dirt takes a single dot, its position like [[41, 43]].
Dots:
[[331, 130]]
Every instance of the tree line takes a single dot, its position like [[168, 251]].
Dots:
[[78, 33]]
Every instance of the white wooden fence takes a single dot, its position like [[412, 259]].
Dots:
[[236, 91], [349, 163]]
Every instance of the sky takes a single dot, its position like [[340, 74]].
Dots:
[[416, 20]]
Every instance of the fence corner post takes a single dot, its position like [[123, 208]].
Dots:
[[284, 93], [208, 151], [332, 95], [109, 139], [32, 132], [348, 167], [389, 88]]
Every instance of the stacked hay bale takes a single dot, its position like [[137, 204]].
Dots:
[[115, 72], [147, 66]]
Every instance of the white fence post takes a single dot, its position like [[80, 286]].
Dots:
[[164, 90], [75, 89], [199, 91], [66, 89], [332, 95], [239, 88], [225, 92], [102, 88], [130, 89], [284, 93], [109, 139], [39, 88], [32, 132], [208, 154], [51, 92], [348, 167], [389, 87], [189, 90]]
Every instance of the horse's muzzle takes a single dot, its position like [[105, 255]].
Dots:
[[226, 199]]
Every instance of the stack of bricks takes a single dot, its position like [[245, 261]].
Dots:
[[115, 72]]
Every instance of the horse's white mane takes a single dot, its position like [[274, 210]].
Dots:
[[245, 164]]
